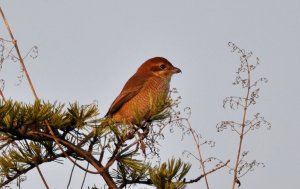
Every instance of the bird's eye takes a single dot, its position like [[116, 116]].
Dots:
[[162, 66]]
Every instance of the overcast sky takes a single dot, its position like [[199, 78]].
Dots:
[[88, 50]]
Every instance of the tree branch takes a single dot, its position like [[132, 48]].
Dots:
[[207, 173]]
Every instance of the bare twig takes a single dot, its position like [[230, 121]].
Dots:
[[83, 181], [198, 146], [42, 176], [247, 85], [235, 179], [14, 41], [71, 175], [207, 173], [2, 95]]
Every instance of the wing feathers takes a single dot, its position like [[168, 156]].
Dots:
[[133, 86]]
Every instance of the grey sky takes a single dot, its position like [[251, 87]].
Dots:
[[88, 50]]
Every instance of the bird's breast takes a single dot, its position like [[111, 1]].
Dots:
[[146, 103]]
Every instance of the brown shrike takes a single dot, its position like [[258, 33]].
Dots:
[[147, 88]]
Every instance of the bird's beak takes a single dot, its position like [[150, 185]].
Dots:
[[176, 70]]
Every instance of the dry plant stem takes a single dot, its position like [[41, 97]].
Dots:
[[207, 173], [103, 172], [19, 54], [2, 95], [71, 175], [199, 153], [235, 179], [43, 178], [83, 181]]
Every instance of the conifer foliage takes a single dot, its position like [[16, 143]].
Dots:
[[41, 132]]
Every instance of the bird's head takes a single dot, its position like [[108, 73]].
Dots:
[[158, 66]]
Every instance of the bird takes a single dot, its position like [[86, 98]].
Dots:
[[145, 90]]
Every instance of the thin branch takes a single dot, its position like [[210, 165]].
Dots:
[[198, 146], [207, 173], [235, 178], [42, 176], [2, 95], [83, 181], [102, 150], [14, 41], [71, 175]]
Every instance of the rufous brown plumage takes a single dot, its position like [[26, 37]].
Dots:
[[148, 87]]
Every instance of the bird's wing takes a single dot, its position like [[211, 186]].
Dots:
[[131, 88]]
